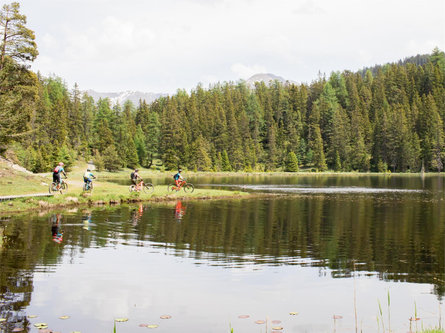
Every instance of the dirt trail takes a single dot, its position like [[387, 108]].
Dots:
[[14, 166]]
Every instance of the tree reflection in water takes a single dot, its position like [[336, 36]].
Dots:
[[397, 238]]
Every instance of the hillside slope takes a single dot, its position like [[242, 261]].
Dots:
[[15, 180]]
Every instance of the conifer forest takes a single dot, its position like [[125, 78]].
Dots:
[[386, 118]]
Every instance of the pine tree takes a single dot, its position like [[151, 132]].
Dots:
[[141, 148], [318, 153], [111, 159], [18, 93], [132, 157], [291, 162], [17, 41], [201, 159], [225, 163]]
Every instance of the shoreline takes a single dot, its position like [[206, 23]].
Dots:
[[70, 201], [111, 188]]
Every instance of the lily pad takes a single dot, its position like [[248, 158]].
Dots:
[[41, 325], [243, 316], [293, 313], [259, 322], [276, 322], [2, 319], [277, 328], [64, 317], [152, 326], [121, 320], [143, 325], [337, 317], [165, 317], [45, 330], [32, 316], [18, 329]]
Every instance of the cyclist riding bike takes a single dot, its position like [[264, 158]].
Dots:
[[135, 176], [87, 177], [56, 174], [178, 178]]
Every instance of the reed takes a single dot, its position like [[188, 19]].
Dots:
[[389, 311], [355, 298]]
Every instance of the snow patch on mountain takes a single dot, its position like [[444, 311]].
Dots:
[[267, 78], [129, 95]]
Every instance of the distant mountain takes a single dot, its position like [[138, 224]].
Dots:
[[267, 78], [122, 97]]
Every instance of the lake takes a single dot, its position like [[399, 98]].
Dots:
[[325, 253]]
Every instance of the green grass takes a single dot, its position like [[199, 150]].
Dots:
[[15, 183]]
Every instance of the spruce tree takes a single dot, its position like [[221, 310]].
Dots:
[[225, 163], [111, 159], [291, 162]]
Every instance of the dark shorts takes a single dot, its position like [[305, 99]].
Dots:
[[134, 181], [56, 177]]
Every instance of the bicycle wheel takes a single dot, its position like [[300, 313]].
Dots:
[[53, 187], [88, 187], [171, 188], [148, 188], [64, 186], [132, 188], [189, 188]]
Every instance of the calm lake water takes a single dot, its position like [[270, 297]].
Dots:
[[206, 263]]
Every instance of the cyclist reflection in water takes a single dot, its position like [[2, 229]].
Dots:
[[87, 220], [55, 228], [179, 211], [137, 215]]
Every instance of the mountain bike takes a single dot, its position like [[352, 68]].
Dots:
[[188, 187], [53, 187], [146, 187], [88, 187]]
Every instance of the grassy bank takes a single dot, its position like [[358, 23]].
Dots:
[[14, 182]]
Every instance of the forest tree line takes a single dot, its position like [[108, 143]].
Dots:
[[388, 118]]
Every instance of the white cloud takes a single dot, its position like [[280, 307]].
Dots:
[[162, 46], [309, 7]]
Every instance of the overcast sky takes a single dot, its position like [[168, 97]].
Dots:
[[165, 45]]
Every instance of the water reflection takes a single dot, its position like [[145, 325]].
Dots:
[[395, 236], [137, 214], [56, 231], [87, 220], [179, 211]]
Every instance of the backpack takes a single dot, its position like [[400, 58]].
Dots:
[[132, 175], [176, 176]]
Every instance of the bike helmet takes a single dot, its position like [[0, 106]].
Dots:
[[179, 170], [136, 170], [88, 170], [61, 164]]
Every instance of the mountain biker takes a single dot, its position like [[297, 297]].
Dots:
[[135, 176], [56, 174], [87, 177], [178, 178]]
